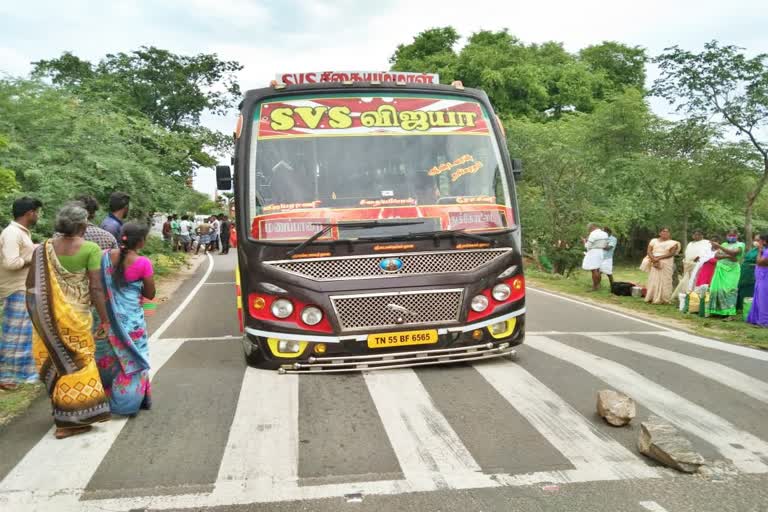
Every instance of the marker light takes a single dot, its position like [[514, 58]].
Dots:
[[479, 303], [259, 303], [282, 308], [501, 292], [311, 315]]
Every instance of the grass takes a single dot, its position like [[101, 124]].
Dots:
[[13, 403], [580, 282], [164, 260]]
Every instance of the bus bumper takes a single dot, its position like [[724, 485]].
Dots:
[[353, 355]]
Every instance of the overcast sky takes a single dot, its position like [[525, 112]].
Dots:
[[315, 35]]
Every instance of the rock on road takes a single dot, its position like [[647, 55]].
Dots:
[[499, 435]]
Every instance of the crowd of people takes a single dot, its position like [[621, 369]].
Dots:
[[727, 275], [214, 233], [73, 311]]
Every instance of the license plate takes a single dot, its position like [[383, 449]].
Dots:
[[399, 339]]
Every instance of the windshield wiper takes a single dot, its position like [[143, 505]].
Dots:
[[358, 224], [444, 233]]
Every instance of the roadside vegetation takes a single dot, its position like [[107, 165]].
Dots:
[[579, 283]]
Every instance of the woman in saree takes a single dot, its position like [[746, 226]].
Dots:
[[705, 268], [63, 282], [758, 315], [694, 252], [123, 355], [661, 254], [747, 277], [724, 288]]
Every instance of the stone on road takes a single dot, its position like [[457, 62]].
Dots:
[[664, 443], [615, 407]]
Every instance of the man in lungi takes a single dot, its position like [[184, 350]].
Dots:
[[17, 365]]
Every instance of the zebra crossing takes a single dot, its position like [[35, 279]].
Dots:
[[264, 458]]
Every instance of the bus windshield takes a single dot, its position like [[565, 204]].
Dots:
[[325, 159]]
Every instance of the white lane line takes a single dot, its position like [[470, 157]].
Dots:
[[725, 375], [748, 452], [652, 506], [208, 338], [678, 335], [595, 455], [739, 350], [228, 283], [590, 333], [428, 449], [262, 452], [604, 310], [65, 466]]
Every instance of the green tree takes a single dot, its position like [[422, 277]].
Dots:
[[622, 66], [430, 52], [721, 81], [170, 90]]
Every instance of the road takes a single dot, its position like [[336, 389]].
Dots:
[[499, 435]]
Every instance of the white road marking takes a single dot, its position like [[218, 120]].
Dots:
[[262, 452], [739, 350], [61, 468], [595, 455], [725, 375], [748, 452], [599, 308], [228, 283], [207, 338], [589, 333], [665, 331], [426, 446], [652, 506]]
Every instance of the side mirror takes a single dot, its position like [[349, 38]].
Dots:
[[517, 168], [223, 177]]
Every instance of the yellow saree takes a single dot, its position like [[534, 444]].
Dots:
[[62, 343]]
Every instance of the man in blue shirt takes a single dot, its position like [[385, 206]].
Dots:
[[118, 211]]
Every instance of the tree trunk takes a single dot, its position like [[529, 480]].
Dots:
[[751, 198]]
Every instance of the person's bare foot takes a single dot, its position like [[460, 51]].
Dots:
[[63, 433]]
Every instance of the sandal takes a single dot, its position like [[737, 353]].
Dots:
[[63, 433]]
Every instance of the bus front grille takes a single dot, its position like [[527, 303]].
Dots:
[[369, 267], [398, 309]]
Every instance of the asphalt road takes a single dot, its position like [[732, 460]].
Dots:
[[497, 435]]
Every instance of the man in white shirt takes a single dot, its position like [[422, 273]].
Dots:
[[215, 232], [17, 365], [595, 245], [185, 230]]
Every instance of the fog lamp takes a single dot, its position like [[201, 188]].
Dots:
[[479, 303], [498, 328], [320, 348], [282, 308], [477, 334], [288, 346]]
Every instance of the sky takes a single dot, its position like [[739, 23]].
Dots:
[[268, 36]]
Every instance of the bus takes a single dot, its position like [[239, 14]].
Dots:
[[377, 224]]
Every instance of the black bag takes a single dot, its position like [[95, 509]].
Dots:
[[622, 288]]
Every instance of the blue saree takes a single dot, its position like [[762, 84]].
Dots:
[[123, 357]]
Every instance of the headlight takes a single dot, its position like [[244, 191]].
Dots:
[[501, 292], [311, 315], [282, 308], [479, 303]]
